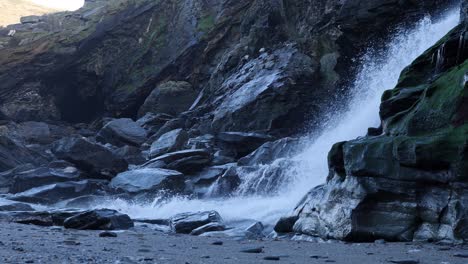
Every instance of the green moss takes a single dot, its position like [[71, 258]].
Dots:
[[206, 23]]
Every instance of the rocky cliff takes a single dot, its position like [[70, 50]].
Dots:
[[129, 98], [409, 181]]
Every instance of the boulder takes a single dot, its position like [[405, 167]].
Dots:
[[185, 223], [225, 185], [185, 161], [123, 131], [242, 143], [6, 177], [54, 193], [244, 229], [211, 227], [43, 176], [270, 151], [90, 157], [131, 154], [6, 205], [102, 219], [170, 98], [52, 218], [148, 179], [35, 132], [169, 142], [13, 154]]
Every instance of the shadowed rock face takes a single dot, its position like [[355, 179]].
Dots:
[[110, 55], [411, 182]]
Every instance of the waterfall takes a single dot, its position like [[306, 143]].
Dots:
[[379, 71]]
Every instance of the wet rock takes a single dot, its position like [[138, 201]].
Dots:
[[211, 227], [285, 224], [16, 207], [274, 258], [270, 151], [256, 250], [225, 185], [107, 234], [217, 243], [461, 255], [6, 177], [102, 219], [246, 229], [52, 218], [185, 161], [13, 154], [404, 261], [148, 179], [169, 142], [53, 193], [185, 223], [90, 157], [243, 143], [120, 132], [43, 176], [131, 154], [170, 98]]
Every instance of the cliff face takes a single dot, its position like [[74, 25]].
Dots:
[[411, 181], [106, 58]]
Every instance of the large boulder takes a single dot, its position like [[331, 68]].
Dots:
[[102, 219], [43, 176], [185, 223], [148, 179], [169, 142], [170, 98], [242, 143], [88, 156], [123, 131], [13, 154], [185, 161], [57, 192]]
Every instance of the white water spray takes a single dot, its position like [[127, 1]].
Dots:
[[378, 73]]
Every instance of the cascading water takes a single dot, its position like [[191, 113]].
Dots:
[[308, 169]]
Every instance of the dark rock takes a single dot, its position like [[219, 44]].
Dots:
[[225, 185], [36, 218], [170, 98], [90, 157], [153, 122], [107, 234], [102, 219], [285, 224], [185, 223], [244, 229], [461, 255], [120, 132], [16, 207], [275, 258], [131, 154], [210, 227], [13, 154], [169, 142], [53, 193], [43, 176], [217, 243], [256, 250], [185, 161], [148, 179], [404, 261], [270, 151], [243, 143], [6, 177]]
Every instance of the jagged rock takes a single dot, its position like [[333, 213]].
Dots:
[[148, 179], [13, 154], [14, 206], [131, 154], [120, 132], [43, 176], [243, 143], [90, 157], [6, 177], [169, 142], [211, 227], [225, 185], [185, 161], [153, 122], [410, 183], [102, 219], [270, 151], [53, 193], [37, 218], [170, 98], [244, 229], [187, 222]]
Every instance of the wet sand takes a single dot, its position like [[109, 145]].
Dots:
[[33, 244]]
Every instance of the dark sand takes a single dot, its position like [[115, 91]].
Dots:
[[33, 244]]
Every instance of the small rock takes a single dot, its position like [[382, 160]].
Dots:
[[253, 250], [460, 255], [404, 261], [107, 234], [272, 258], [380, 241], [217, 243]]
